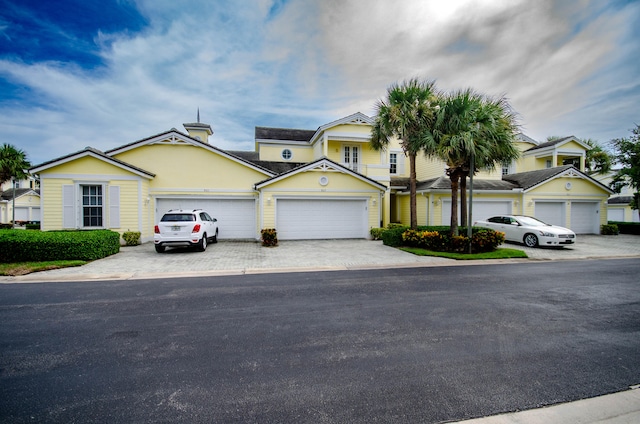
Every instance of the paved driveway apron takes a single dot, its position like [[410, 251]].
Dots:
[[229, 257]]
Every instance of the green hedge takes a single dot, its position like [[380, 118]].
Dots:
[[627, 227], [37, 246], [437, 238]]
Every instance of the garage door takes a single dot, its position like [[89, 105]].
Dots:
[[550, 212], [236, 217], [301, 219], [482, 209], [585, 218], [616, 214], [22, 214]]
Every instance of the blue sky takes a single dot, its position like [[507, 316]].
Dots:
[[106, 73]]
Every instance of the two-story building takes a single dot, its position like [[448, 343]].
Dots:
[[24, 196], [308, 184]]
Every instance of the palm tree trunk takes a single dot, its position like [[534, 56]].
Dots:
[[412, 190], [455, 178]]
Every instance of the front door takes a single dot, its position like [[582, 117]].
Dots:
[[352, 157]]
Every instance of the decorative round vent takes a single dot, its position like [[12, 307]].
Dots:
[[567, 186], [323, 181]]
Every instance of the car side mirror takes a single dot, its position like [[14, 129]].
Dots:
[[215, 220], [515, 223]]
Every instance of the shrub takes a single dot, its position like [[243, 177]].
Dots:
[[627, 227], [609, 230], [376, 233], [269, 237], [38, 246], [393, 236], [486, 240], [131, 238], [32, 226]]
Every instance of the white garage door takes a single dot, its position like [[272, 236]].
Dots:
[[35, 214], [550, 212], [236, 218], [22, 214], [482, 209], [585, 218], [300, 219], [616, 214]]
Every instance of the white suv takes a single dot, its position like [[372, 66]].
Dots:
[[185, 228]]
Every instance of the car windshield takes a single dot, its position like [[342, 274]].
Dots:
[[532, 222], [176, 217]]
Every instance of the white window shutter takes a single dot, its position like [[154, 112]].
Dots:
[[400, 159], [114, 206], [68, 206]]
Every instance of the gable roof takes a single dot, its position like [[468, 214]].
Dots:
[[174, 136], [531, 179], [357, 118], [8, 195], [95, 153], [557, 142], [325, 164]]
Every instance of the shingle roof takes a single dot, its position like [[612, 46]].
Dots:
[[444, 183], [620, 200], [8, 194], [550, 143], [529, 179], [285, 134]]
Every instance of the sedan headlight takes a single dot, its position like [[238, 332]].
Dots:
[[545, 234]]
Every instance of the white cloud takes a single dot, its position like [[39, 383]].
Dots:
[[312, 62]]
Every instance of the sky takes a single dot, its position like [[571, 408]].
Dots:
[[79, 73]]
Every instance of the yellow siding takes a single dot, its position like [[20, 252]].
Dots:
[[274, 153], [191, 168], [51, 192], [88, 165], [360, 130], [426, 167]]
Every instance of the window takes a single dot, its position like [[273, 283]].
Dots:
[[287, 154], [92, 210], [507, 168], [393, 163], [548, 163], [352, 157]]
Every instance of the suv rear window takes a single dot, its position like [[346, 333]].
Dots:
[[175, 217]]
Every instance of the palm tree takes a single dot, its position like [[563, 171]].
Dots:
[[471, 125], [598, 160], [407, 113], [13, 163]]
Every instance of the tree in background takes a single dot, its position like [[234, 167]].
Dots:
[[598, 160], [408, 114], [13, 163], [627, 154]]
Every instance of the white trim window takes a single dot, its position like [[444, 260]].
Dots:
[[508, 168], [92, 214], [286, 154], [351, 157], [86, 205], [396, 163]]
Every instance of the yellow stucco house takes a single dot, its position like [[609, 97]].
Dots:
[[308, 184]]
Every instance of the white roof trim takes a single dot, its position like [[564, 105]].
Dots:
[[324, 165], [176, 137], [571, 173], [357, 118], [92, 154]]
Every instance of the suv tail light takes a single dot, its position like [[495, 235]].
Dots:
[[156, 229], [196, 228]]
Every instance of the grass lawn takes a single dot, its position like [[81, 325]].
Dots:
[[22, 268], [496, 254]]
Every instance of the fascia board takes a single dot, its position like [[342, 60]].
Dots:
[[82, 154]]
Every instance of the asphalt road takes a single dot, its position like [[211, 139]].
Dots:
[[405, 345]]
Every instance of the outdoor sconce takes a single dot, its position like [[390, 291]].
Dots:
[[436, 202], [268, 200], [374, 201]]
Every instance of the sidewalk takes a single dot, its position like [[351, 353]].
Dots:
[[617, 408]]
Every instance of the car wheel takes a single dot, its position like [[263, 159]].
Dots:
[[202, 246], [159, 248], [215, 238], [530, 240]]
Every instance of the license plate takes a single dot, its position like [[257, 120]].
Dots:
[[175, 228]]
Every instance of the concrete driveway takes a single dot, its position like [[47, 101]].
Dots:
[[229, 257]]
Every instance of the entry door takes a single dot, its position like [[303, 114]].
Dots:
[[352, 157]]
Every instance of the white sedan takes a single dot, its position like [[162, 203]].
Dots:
[[530, 231]]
